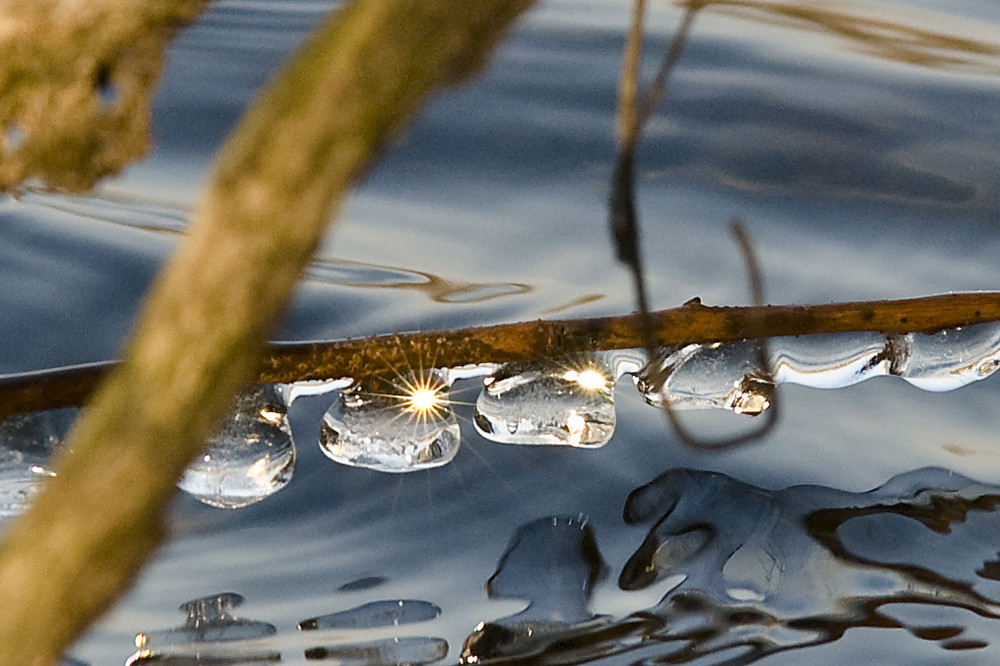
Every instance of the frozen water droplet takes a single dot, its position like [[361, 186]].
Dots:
[[209, 619], [833, 361], [400, 425], [953, 357], [722, 376], [27, 441], [252, 458], [751, 395], [375, 614], [548, 403], [555, 564], [408, 650]]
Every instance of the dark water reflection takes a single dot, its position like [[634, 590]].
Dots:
[[763, 571], [753, 572]]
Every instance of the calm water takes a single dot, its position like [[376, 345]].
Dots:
[[864, 164]]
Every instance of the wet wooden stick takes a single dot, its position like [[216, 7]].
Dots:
[[503, 343]]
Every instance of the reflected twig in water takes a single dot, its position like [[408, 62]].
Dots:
[[761, 572], [766, 376], [869, 31], [632, 118]]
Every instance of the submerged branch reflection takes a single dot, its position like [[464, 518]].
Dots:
[[746, 572], [899, 37], [761, 571]]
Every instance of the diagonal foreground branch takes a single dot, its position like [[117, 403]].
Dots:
[[312, 134], [504, 343]]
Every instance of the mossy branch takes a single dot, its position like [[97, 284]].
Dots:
[[315, 130], [76, 84], [505, 343]]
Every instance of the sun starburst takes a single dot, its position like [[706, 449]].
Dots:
[[420, 395], [423, 398]]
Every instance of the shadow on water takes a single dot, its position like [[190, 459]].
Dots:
[[749, 572]]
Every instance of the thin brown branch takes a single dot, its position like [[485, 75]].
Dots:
[[628, 87], [77, 81], [503, 343]]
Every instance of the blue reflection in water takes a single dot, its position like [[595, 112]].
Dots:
[[860, 173], [760, 571], [754, 572], [375, 614]]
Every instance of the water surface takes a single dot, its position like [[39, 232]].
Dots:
[[864, 164]]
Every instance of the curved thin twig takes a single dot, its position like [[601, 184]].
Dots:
[[763, 364]]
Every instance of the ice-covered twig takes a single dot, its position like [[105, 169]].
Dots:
[[690, 323]]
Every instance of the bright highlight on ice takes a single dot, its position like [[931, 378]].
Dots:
[[423, 400], [589, 379]]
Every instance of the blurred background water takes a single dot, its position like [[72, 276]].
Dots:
[[857, 141]]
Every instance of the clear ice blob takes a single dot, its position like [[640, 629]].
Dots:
[[27, 442], [410, 650], [554, 563], [399, 425], [209, 619], [253, 456], [832, 361], [728, 376], [720, 376], [388, 613], [951, 358], [548, 403]]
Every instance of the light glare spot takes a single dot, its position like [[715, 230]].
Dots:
[[258, 469], [423, 399], [589, 379], [575, 426], [272, 416]]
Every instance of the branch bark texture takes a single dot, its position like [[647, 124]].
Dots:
[[76, 82]]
